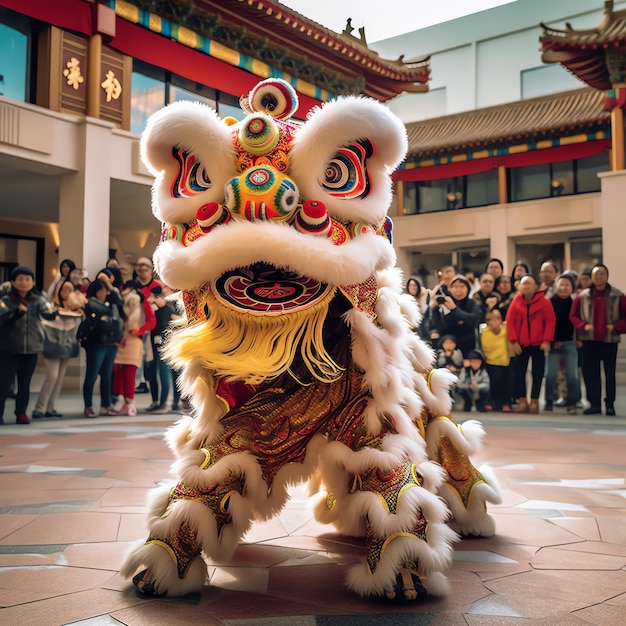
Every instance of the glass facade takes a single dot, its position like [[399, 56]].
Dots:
[[15, 38], [563, 178], [153, 88], [447, 194]]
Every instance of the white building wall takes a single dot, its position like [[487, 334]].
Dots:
[[479, 59]]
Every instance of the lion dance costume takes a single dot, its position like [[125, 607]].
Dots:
[[298, 353]]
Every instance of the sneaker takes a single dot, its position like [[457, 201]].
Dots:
[[549, 407], [571, 410], [580, 404], [38, 415], [155, 406], [89, 412], [141, 388], [52, 413], [22, 418], [560, 403], [162, 409], [610, 410], [175, 407]]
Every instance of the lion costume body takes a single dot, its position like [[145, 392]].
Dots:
[[298, 354]]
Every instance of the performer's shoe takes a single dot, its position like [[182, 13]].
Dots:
[[407, 586], [145, 588]]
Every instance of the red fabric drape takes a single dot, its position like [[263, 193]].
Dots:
[[532, 157], [73, 15]]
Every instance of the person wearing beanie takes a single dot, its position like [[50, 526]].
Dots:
[[454, 313], [21, 338], [473, 383], [448, 355]]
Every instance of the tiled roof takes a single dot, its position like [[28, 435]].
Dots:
[[559, 114], [271, 28], [584, 52]]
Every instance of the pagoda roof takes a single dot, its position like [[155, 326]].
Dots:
[[583, 52], [502, 126], [267, 30]]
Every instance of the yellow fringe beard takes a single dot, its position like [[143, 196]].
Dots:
[[252, 348]]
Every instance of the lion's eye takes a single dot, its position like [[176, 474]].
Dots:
[[346, 173], [191, 178], [287, 197]]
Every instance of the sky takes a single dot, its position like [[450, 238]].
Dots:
[[398, 16]]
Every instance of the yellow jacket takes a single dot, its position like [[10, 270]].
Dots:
[[496, 348]]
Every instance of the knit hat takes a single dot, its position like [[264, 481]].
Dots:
[[445, 338], [462, 279], [569, 276], [22, 270], [475, 354]]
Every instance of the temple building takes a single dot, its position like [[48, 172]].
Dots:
[[517, 150], [79, 79]]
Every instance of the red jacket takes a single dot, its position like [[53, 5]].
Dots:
[[530, 323]]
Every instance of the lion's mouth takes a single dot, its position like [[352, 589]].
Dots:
[[262, 289]]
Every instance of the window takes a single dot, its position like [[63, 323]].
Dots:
[[557, 179], [15, 40], [447, 194], [587, 171], [154, 87], [148, 96], [482, 188], [529, 183]]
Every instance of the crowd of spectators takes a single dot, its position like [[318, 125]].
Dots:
[[120, 319], [499, 330], [486, 330]]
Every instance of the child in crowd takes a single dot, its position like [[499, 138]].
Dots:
[[473, 383], [130, 351], [497, 349], [448, 355]]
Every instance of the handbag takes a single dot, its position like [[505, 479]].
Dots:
[[59, 344]]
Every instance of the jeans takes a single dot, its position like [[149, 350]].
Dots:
[[567, 354], [594, 353], [100, 360], [538, 358], [22, 365], [479, 398], [51, 388], [158, 373]]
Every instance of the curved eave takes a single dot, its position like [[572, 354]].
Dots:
[[340, 52], [510, 124], [588, 65], [356, 51]]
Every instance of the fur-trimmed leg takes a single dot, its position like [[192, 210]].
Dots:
[[407, 539], [190, 520], [160, 575]]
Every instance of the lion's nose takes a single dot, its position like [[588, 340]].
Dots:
[[259, 134], [262, 193]]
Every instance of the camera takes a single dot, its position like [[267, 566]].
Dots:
[[440, 298]]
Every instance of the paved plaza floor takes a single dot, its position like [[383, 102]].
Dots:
[[72, 495]]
